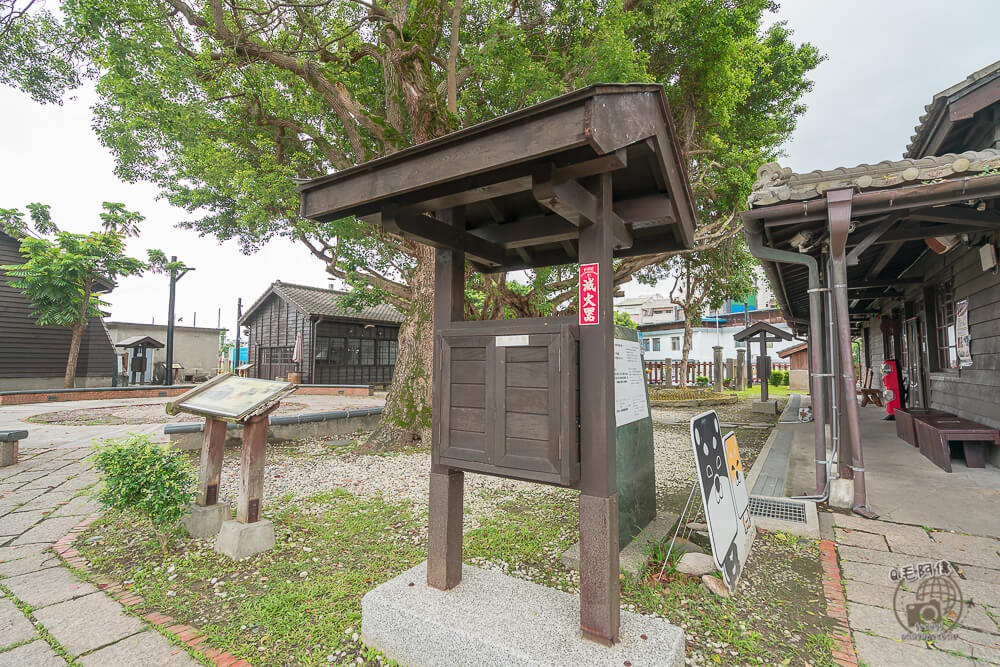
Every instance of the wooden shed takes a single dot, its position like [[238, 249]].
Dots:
[[339, 345], [34, 357]]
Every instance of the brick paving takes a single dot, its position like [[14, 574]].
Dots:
[[868, 550], [39, 505]]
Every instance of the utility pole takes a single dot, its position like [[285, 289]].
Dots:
[[175, 274], [239, 314]]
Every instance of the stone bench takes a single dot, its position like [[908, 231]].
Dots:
[[935, 433], [8, 446]]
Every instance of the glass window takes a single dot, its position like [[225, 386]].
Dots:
[[367, 352], [675, 343], [944, 299], [353, 351], [322, 348], [656, 344], [645, 344], [386, 352], [337, 348]]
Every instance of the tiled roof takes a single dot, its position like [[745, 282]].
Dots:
[[776, 184], [324, 303], [940, 101]]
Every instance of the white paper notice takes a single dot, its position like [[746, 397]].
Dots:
[[630, 385]]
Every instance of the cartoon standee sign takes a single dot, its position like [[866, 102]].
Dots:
[[724, 494]]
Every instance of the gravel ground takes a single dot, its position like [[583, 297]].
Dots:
[[310, 466]]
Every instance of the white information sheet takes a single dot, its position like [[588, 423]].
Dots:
[[630, 384]]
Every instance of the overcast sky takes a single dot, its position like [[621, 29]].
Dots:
[[885, 61]]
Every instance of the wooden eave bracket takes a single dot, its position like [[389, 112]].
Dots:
[[575, 203], [433, 232]]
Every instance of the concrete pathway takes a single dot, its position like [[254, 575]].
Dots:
[[47, 614], [869, 550]]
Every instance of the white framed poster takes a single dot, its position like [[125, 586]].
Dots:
[[630, 383], [962, 340]]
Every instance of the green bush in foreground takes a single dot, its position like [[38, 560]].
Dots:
[[145, 477], [784, 378], [775, 378]]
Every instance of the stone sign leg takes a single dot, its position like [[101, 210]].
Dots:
[[205, 517], [717, 368], [9, 441], [741, 369], [249, 534]]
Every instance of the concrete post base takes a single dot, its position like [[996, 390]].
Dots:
[[842, 493], [768, 407], [492, 619], [8, 454], [242, 540], [206, 521]]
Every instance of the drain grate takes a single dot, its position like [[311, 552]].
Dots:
[[793, 511]]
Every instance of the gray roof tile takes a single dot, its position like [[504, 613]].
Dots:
[[324, 303]]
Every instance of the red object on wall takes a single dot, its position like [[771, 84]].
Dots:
[[891, 381], [590, 313]]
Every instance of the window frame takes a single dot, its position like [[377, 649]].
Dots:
[[945, 329]]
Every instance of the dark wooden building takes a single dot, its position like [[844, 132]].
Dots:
[[34, 357], [901, 256], [339, 345]]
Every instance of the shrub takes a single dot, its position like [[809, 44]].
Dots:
[[701, 381], [784, 378], [775, 378], [145, 477]]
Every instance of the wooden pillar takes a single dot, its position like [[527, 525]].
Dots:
[[445, 502], [599, 586], [717, 368], [210, 471], [252, 469], [762, 368], [741, 369]]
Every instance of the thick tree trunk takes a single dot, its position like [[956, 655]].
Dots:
[[406, 419], [74, 354], [686, 350]]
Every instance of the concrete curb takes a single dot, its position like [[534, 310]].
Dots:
[[191, 636], [695, 402]]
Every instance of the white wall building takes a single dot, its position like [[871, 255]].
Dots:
[[663, 343]]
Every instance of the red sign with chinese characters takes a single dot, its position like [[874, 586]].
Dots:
[[589, 301]]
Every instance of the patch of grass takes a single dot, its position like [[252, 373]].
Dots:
[[299, 603], [46, 636], [772, 391]]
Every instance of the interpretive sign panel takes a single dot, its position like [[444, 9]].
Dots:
[[589, 311], [630, 383], [230, 397], [724, 494]]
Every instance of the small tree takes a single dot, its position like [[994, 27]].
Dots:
[[145, 477], [623, 319], [62, 277]]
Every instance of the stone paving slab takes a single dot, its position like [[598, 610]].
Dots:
[[857, 538], [50, 530], [882, 622], [29, 564], [974, 616], [981, 592], [154, 648], [14, 626], [47, 501], [875, 595], [54, 585], [881, 527], [886, 559], [879, 651], [87, 623], [18, 522], [21, 497], [80, 482], [79, 506], [867, 572], [13, 553], [35, 654], [27, 476], [967, 551], [984, 574], [974, 644], [50, 481]]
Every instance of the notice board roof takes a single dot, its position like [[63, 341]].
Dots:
[[522, 181], [762, 330]]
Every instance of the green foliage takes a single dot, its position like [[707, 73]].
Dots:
[[784, 378], [701, 381], [776, 378], [623, 319], [61, 276], [145, 477]]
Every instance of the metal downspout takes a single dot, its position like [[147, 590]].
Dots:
[[839, 212], [755, 241]]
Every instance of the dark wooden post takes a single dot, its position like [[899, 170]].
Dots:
[[762, 368], [444, 530], [599, 587], [252, 469], [210, 472]]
